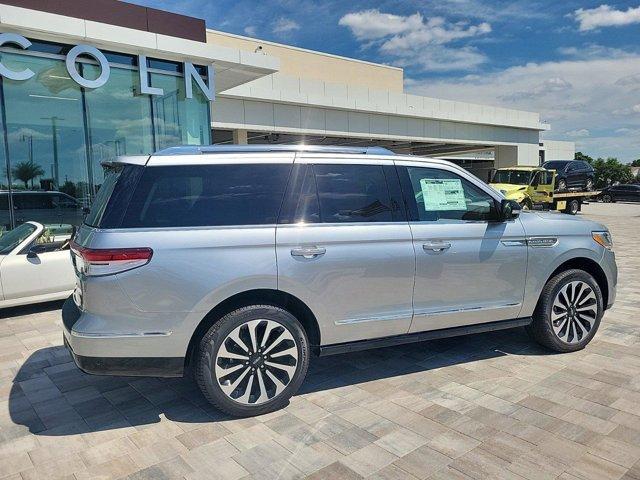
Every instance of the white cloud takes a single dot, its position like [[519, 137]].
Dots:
[[373, 24], [582, 132], [250, 31], [605, 16], [573, 94], [593, 50], [285, 25], [626, 111], [414, 41]]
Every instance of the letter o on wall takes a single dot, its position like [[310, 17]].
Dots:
[[96, 54]]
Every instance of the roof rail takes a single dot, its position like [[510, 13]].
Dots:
[[205, 149]]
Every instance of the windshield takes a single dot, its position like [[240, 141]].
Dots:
[[559, 165], [11, 239], [513, 177]]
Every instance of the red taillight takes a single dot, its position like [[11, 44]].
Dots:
[[108, 261]]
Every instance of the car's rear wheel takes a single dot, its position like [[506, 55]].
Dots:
[[606, 198], [573, 207], [252, 360], [562, 184], [568, 313]]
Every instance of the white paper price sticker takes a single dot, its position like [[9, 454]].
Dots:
[[442, 194]]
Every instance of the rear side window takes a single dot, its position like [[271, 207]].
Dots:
[[352, 193], [99, 206], [207, 195]]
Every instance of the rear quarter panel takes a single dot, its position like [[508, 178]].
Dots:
[[190, 272]]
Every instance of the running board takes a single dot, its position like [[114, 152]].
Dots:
[[360, 345]]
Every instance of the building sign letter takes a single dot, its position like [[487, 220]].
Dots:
[[145, 88], [190, 73], [90, 51], [19, 40]]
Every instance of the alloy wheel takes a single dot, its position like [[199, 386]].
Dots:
[[256, 362], [574, 312]]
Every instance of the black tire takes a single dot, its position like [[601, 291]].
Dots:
[[210, 344], [562, 184], [589, 185], [573, 207], [606, 198], [541, 329]]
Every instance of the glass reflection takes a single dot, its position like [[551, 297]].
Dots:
[[119, 119], [45, 137], [178, 120], [5, 219]]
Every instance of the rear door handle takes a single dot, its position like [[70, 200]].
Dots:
[[436, 246], [308, 252]]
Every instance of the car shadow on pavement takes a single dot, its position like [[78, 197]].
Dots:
[[51, 396], [12, 312]]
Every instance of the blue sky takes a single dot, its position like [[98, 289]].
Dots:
[[575, 62]]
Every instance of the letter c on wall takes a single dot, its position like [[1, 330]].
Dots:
[[19, 40], [105, 71]]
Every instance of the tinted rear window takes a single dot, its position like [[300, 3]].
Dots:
[[207, 195], [353, 193]]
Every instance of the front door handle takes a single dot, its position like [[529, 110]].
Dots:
[[436, 246], [308, 252]]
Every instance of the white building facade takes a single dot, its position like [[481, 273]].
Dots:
[[83, 82]]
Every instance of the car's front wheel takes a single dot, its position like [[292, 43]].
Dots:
[[606, 198], [589, 185], [252, 360], [568, 313]]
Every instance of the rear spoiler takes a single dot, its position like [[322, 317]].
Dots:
[[126, 160]]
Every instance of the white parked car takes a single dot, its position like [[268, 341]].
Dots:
[[35, 264]]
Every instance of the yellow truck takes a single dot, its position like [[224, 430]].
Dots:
[[534, 188]]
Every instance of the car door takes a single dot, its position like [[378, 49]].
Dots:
[[470, 267], [574, 175], [42, 273], [634, 194], [344, 247]]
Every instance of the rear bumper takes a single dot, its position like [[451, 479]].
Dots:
[[81, 347]]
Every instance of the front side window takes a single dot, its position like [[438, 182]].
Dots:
[[353, 193], [435, 194], [207, 195]]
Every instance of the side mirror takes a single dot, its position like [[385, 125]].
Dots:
[[509, 209], [35, 250]]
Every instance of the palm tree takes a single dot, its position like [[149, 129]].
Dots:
[[25, 171]]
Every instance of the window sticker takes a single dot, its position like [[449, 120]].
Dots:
[[442, 194]]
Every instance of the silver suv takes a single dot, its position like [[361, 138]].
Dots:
[[236, 264]]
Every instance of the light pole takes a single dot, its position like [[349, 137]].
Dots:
[[54, 131]]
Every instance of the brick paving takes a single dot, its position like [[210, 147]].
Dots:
[[484, 406]]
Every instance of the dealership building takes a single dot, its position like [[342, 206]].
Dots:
[[83, 82]]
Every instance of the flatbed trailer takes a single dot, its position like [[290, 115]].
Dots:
[[568, 201]]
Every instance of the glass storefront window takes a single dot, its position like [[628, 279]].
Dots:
[[5, 219], [57, 133], [118, 118], [178, 120], [46, 142]]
